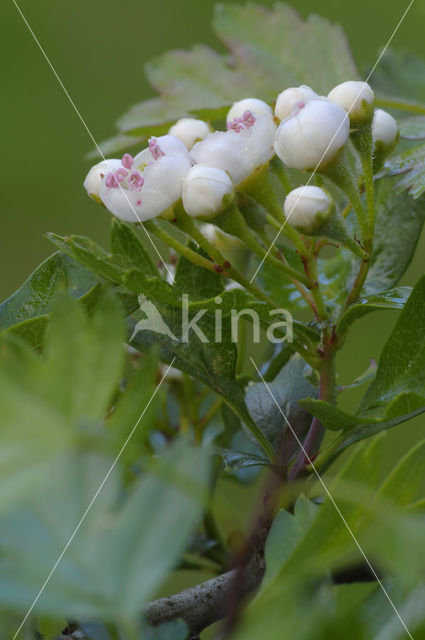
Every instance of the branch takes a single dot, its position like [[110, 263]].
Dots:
[[205, 603]]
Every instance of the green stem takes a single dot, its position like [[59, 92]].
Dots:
[[153, 227], [290, 232], [339, 173]]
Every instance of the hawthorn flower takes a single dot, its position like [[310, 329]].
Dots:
[[145, 186], [287, 100], [94, 178], [313, 135], [246, 145], [190, 130], [205, 190], [307, 208], [253, 105], [356, 98], [384, 131]]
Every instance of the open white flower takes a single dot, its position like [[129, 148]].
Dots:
[[356, 98], [384, 130], [254, 105], [289, 98], [313, 135], [95, 176], [204, 191], [190, 130], [307, 208], [241, 149], [143, 187]]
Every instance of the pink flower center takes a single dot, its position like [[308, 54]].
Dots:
[[245, 122], [155, 149], [135, 181]]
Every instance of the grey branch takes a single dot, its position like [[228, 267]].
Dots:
[[205, 603]]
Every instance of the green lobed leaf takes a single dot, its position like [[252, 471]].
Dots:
[[287, 389], [26, 312], [264, 57]]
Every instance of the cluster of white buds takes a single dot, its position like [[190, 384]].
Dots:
[[203, 168]]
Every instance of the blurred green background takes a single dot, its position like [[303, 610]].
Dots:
[[98, 48]]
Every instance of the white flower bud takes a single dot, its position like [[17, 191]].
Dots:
[[313, 136], [256, 107], [204, 190], [288, 99], [190, 130], [356, 98], [384, 130], [307, 208], [241, 149], [94, 178]]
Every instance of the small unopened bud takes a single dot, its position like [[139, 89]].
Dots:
[[96, 175], [308, 208], [384, 131], [190, 130], [356, 98], [205, 190], [256, 107], [287, 100], [313, 136]]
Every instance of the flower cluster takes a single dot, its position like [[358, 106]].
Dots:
[[203, 168]]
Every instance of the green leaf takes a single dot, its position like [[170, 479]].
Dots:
[[287, 389], [405, 479], [285, 535], [413, 128], [264, 57], [26, 312], [401, 367], [331, 416], [396, 213], [85, 357], [126, 244], [175, 630], [412, 164], [139, 545], [237, 460], [400, 73], [393, 299], [265, 46]]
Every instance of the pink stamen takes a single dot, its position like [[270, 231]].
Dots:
[[155, 149], [136, 181], [111, 181], [301, 104], [127, 161], [243, 123], [121, 174]]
